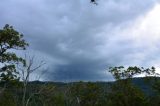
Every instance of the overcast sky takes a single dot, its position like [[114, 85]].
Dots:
[[79, 40]]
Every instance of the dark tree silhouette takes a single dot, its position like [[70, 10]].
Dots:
[[10, 40]]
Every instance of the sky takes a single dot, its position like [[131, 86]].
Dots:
[[79, 40]]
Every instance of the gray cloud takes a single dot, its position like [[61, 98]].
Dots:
[[79, 38]]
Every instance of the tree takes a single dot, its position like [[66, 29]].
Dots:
[[10, 40], [86, 94], [123, 73], [123, 91], [25, 72]]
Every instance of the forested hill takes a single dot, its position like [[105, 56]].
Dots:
[[135, 91], [145, 84]]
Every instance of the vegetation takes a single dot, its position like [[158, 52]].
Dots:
[[16, 90], [10, 39]]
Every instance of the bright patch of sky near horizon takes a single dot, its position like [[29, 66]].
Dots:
[[145, 32]]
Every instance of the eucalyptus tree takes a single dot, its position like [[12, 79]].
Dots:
[[123, 91], [10, 40]]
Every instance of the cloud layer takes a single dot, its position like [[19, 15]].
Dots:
[[79, 40]]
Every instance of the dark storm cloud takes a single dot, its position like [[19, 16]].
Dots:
[[80, 70], [75, 34]]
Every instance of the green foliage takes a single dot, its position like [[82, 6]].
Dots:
[[57, 100], [156, 86], [7, 99], [155, 100], [86, 94], [123, 73], [123, 92], [10, 40]]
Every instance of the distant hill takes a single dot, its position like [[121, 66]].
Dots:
[[145, 84], [89, 93]]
